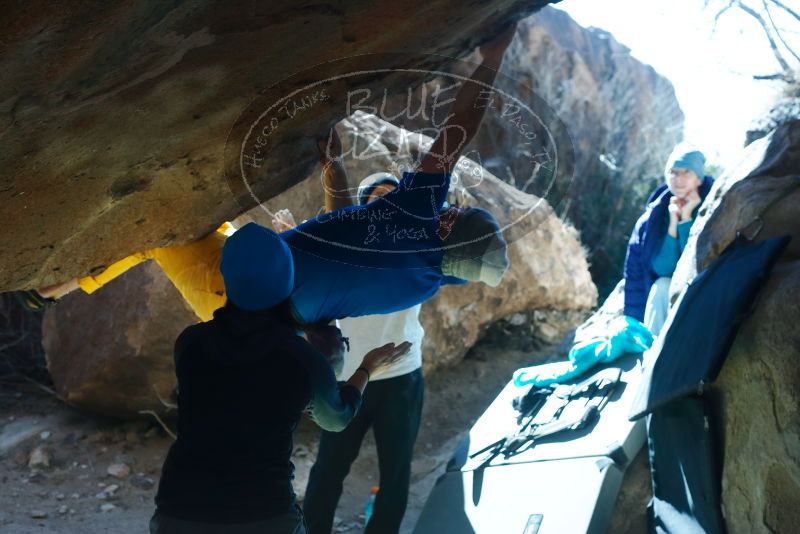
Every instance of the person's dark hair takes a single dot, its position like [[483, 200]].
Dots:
[[285, 313]]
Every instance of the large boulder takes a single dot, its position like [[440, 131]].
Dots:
[[112, 351], [21, 340], [114, 117], [759, 383]]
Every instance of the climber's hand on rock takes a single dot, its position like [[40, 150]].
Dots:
[[467, 109], [330, 148], [493, 50], [283, 220]]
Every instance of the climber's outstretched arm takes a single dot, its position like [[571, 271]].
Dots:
[[37, 299], [334, 175], [90, 284], [468, 108]]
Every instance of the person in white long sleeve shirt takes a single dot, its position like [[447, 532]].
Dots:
[[391, 406]]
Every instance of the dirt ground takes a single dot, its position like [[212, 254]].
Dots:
[[71, 490]]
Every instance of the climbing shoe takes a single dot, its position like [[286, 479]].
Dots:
[[31, 300]]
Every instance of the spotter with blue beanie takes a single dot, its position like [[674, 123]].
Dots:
[[244, 379]]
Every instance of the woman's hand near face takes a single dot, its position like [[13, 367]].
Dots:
[[675, 207], [691, 201], [674, 210]]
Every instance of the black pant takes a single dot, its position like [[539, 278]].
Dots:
[[393, 408], [289, 523], [684, 470]]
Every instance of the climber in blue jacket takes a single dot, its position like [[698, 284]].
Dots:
[[660, 235], [395, 252]]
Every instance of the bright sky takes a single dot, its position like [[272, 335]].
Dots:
[[711, 73]]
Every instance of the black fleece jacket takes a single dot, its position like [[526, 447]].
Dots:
[[244, 379]]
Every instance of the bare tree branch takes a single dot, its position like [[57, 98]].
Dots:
[[776, 76], [778, 32], [786, 8], [773, 45], [719, 14]]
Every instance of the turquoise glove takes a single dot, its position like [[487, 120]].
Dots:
[[551, 373], [626, 335], [591, 351]]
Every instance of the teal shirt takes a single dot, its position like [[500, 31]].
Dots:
[[666, 258]]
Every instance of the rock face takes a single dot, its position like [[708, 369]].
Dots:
[[616, 108], [623, 120], [114, 118], [111, 352], [608, 119], [761, 393], [760, 381], [96, 367], [20, 337]]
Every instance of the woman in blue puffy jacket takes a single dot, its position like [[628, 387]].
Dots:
[[660, 235]]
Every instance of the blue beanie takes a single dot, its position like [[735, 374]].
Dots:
[[683, 158], [257, 268], [371, 182]]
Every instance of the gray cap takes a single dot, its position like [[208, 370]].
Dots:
[[684, 157]]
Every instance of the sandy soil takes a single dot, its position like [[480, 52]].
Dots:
[[75, 493]]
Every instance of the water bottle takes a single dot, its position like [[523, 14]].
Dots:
[[370, 504]]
